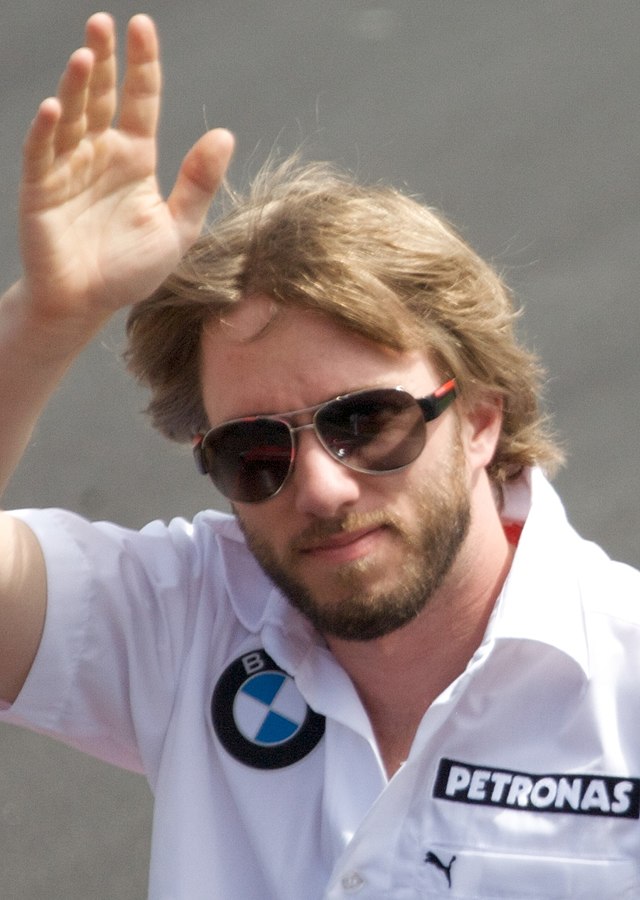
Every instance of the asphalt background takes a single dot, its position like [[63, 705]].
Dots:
[[519, 118]]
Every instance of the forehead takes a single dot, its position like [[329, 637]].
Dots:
[[264, 359]]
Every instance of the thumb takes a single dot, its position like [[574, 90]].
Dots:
[[200, 176]]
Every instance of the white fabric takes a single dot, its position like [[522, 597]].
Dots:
[[538, 741]]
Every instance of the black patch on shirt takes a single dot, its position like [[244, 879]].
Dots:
[[575, 793]]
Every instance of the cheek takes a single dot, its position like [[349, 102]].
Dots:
[[444, 450], [269, 522]]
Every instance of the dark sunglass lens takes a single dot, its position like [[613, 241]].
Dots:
[[376, 431], [248, 461]]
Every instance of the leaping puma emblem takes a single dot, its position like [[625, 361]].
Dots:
[[432, 860]]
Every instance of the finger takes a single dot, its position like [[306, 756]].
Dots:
[[140, 102], [72, 95], [38, 150], [102, 96], [200, 176]]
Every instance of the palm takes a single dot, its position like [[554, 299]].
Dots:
[[96, 234], [91, 228]]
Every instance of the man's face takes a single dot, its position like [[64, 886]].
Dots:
[[360, 555]]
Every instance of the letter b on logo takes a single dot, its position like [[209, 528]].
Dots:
[[253, 662]]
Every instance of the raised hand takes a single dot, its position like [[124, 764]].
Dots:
[[95, 233]]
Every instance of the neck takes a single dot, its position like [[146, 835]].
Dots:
[[398, 676]]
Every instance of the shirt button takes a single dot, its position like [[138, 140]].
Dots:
[[352, 882]]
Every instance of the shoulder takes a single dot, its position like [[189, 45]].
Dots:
[[609, 589], [53, 525], [571, 562], [189, 556]]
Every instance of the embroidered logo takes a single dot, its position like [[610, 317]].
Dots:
[[432, 860], [579, 794], [260, 716]]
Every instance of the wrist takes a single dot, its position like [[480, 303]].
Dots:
[[40, 330]]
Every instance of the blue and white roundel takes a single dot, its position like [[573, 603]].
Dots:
[[259, 715], [269, 709]]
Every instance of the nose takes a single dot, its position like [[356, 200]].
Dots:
[[322, 486]]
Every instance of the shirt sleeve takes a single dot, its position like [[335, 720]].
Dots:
[[120, 610]]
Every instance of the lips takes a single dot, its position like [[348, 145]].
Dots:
[[344, 546], [341, 539]]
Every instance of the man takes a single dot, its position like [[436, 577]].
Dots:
[[395, 671]]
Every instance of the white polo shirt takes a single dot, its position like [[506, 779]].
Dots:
[[169, 652]]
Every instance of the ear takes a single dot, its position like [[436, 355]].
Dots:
[[481, 425]]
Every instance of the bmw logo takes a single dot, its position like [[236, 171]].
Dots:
[[260, 716]]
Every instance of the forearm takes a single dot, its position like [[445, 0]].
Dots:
[[35, 354]]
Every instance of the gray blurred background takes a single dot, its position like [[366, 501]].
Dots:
[[520, 119]]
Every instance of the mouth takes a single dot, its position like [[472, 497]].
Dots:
[[343, 546]]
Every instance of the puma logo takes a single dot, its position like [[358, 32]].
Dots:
[[432, 860]]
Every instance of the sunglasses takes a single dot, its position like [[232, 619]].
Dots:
[[372, 431]]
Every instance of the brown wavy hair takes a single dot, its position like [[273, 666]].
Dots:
[[369, 257]]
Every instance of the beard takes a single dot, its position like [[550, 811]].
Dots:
[[359, 607]]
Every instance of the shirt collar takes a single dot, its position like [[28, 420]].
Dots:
[[540, 600]]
